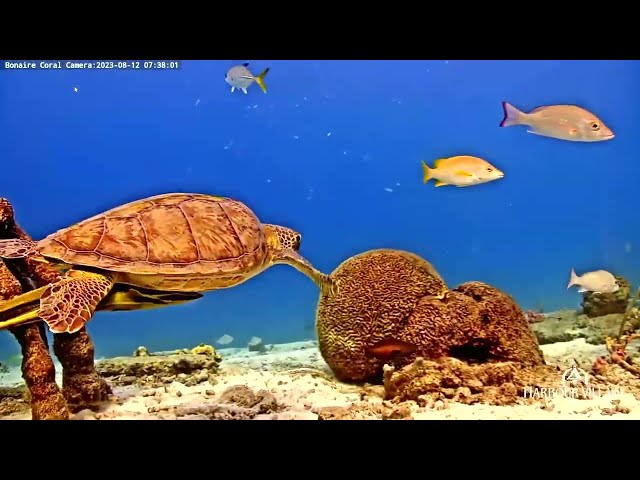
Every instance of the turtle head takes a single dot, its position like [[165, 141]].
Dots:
[[282, 238]]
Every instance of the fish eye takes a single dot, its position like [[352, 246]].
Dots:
[[489, 169], [595, 126]]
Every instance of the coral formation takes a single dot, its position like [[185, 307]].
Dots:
[[496, 383], [81, 381], [394, 296], [81, 385], [204, 349], [567, 325], [498, 328], [256, 345], [141, 351], [600, 304], [379, 290], [160, 368], [38, 372], [13, 400]]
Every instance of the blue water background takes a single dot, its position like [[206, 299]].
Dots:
[[318, 153]]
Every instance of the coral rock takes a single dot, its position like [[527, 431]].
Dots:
[[388, 294], [81, 385], [256, 345], [158, 369], [600, 304], [450, 379], [203, 349], [141, 351], [241, 395], [378, 291], [498, 329]]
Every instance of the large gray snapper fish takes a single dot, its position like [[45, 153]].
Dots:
[[565, 122], [240, 77]]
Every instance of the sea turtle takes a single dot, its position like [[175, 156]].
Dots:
[[174, 242]]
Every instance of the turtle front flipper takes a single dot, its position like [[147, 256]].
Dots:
[[71, 302], [325, 283]]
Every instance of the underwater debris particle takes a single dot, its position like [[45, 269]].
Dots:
[[296, 137], [397, 184], [388, 189], [328, 134], [75, 88], [627, 247], [268, 180], [197, 102], [344, 152], [255, 106]]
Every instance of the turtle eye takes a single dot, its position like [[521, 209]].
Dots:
[[595, 126]]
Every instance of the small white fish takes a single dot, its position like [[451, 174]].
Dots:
[[75, 89], [224, 339], [240, 77], [598, 281]]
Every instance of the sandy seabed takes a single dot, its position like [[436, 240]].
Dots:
[[292, 382]]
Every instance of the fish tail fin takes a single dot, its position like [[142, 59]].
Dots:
[[573, 279], [260, 79], [512, 116], [426, 172]]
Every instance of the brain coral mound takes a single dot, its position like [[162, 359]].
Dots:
[[378, 291], [390, 299]]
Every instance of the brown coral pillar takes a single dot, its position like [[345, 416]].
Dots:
[[38, 372], [81, 384]]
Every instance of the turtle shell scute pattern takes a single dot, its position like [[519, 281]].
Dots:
[[166, 234]]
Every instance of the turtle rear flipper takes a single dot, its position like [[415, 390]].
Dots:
[[17, 248], [70, 303]]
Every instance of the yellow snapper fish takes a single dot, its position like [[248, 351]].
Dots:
[[461, 171], [240, 77], [598, 281], [565, 122]]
